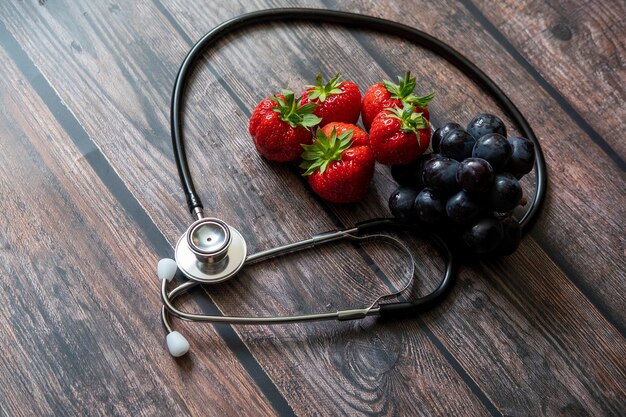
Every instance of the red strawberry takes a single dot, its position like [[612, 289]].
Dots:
[[336, 101], [399, 136], [359, 136], [337, 170], [279, 126], [387, 94]]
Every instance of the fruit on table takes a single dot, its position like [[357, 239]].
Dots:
[[410, 174], [389, 95], [470, 188], [337, 170], [359, 136], [506, 193], [495, 149], [485, 123], [399, 136], [337, 101], [464, 207], [440, 174], [429, 206], [475, 175], [484, 236], [402, 203], [279, 126], [512, 236], [457, 144], [442, 132], [522, 156]]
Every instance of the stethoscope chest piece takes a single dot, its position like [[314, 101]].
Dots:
[[210, 251]]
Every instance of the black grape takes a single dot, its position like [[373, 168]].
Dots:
[[512, 237], [410, 174], [439, 174], [475, 175], [457, 144], [401, 204], [429, 206], [441, 133], [467, 189], [484, 236], [493, 148], [463, 208], [522, 156], [505, 194], [485, 123]]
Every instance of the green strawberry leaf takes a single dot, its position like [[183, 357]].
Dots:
[[420, 101], [324, 150], [290, 112], [412, 122], [310, 120], [307, 108], [321, 91], [403, 89]]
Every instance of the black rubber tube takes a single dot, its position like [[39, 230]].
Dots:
[[371, 23], [412, 308]]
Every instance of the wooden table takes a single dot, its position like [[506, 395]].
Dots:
[[91, 201]]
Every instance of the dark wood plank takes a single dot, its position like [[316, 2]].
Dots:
[[578, 49], [306, 361], [232, 55], [479, 346], [79, 293]]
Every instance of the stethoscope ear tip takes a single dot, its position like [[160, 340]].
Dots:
[[166, 269], [177, 344]]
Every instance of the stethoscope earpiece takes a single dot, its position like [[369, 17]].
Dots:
[[177, 344], [166, 269]]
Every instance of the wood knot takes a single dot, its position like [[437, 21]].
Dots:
[[561, 31], [76, 46]]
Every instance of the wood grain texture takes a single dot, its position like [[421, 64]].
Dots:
[[79, 334], [579, 49], [511, 331]]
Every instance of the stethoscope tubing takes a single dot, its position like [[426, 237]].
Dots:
[[384, 310]]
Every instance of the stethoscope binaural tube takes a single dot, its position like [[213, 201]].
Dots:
[[384, 310]]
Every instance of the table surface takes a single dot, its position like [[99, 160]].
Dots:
[[91, 201]]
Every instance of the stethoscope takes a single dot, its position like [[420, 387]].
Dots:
[[211, 251]]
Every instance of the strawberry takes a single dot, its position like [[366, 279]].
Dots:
[[359, 136], [337, 170], [279, 126], [387, 94], [399, 136], [336, 101]]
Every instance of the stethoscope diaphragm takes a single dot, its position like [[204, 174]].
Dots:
[[210, 251]]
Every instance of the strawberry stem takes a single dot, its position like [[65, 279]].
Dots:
[[403, 89], [321, 91]]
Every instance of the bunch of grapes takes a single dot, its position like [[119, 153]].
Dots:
[[469, 186]]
